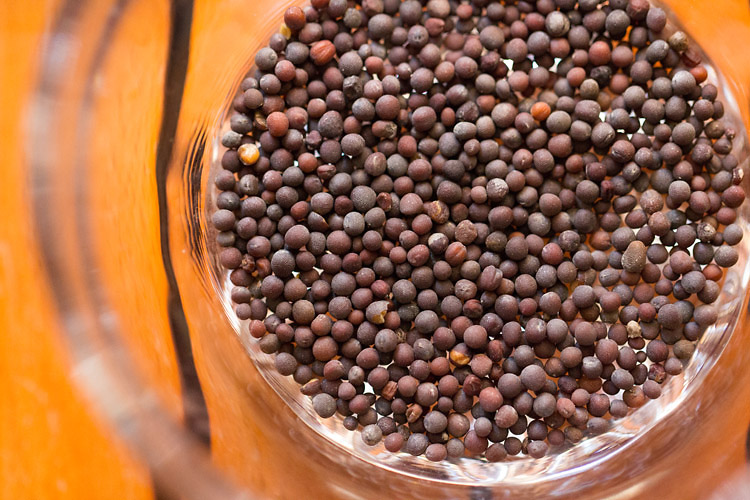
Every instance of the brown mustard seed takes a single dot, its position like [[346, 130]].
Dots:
[[448, 239]]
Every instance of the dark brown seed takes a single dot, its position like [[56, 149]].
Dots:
[[398, 242], [634, 258], [324, 405], [294, 18], [533, 377]]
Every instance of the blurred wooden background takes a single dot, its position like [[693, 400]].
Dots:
[[50, 445]]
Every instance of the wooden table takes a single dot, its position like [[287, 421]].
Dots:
[[50, 444]]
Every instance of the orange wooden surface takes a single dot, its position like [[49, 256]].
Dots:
[[50, 445], [132, 208]]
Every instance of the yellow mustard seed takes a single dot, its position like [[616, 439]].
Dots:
[[248, 153]]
